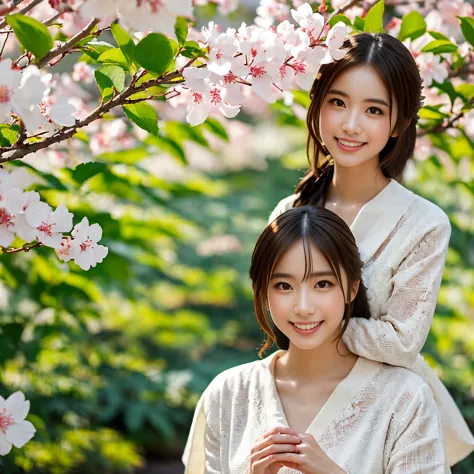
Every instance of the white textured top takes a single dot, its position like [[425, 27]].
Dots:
[[403, 240], [379, 420]]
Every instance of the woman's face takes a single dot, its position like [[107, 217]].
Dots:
[[309, 312], [355, 121]]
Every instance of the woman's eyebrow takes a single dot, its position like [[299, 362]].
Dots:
[[371, 100], [313, 275]]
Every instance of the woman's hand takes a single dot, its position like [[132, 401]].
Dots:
[[309, 458], [266, 453]]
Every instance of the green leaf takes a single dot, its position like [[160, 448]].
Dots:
[[429, 112], [114, 55], [216, 128], [338, 18], [124, 41], [440, 46], [8, 134], [32, 34], [374, 18], [447, 88], [85, 171], [413, 26], [193, 50], [359, 23], [110, 78], [466, 91], [168, 145], [95, 48], [437, 35], [467, 27], [144, 115], [181, 29], [154, 53]]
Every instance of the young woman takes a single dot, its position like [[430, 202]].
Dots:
[[362, 130], [313, 407]]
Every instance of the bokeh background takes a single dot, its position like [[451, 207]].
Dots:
[[114, 360]]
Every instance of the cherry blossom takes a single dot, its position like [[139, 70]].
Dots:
[[432, 68], [21, 225], [14, 429], [269, 11], [83, 247], [336, 36], [10, 78], [223, 50], [58, 110], [49, 225]]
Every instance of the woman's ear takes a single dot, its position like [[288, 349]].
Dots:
[[354, 290]]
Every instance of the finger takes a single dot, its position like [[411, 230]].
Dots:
[[275, 439], [285, 458], [281, 429], [277, 448]]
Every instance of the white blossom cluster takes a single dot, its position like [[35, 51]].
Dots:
[[24, 215], [271, 61]]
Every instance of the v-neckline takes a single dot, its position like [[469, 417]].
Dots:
[[378, 196], [345, 391]]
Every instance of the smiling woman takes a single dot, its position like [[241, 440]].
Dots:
[[313, 407], [362, 131]]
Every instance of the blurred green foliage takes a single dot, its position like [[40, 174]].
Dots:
[[114, 360]]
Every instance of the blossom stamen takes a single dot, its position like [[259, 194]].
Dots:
[[6, 421]]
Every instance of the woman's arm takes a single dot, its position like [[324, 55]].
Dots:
[[399, 335], [202, 451], [418, 447]]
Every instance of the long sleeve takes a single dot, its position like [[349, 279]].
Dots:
[[418, 446], [398, 336], [202, 451]]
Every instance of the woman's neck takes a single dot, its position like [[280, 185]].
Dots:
[[331, 360], [355, 186]]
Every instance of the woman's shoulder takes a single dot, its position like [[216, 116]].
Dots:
[[235, 380], [399, 387], [423, 209], [282, 206]]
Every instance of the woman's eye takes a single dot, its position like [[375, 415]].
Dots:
[[375, 111], [323, 284], [337, 102], [283, 286]]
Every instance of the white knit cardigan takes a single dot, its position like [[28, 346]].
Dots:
[[379, 420], [403, 240]]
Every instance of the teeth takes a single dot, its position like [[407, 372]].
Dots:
[[351, 144], [307, 327]]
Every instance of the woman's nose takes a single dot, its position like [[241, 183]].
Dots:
[[352, 124], [304, 305]]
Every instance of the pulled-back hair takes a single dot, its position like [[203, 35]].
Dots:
[[398, 70], [331, 236]]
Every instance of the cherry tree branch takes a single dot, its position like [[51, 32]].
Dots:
[[25, 248], [21, 149], [448, 124], [69, 44]]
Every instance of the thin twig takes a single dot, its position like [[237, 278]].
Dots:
[[345, 7], [25, 248], [68, 44], [22, 11], [51, 20], [441, 128], [4, 43]]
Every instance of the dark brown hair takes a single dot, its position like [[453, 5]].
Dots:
[[333, 238], [399, 72]]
